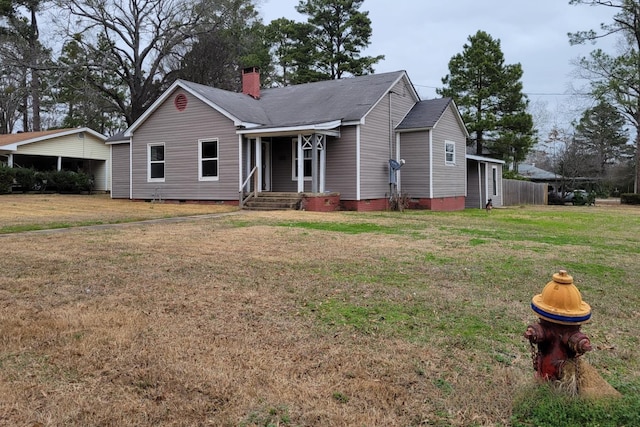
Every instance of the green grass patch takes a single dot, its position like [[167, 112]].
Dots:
[[46, 226], [546, 407], [344, 227]]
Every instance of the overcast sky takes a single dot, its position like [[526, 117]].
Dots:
[[421, 36]]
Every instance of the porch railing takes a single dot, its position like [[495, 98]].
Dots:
[[244, 199]]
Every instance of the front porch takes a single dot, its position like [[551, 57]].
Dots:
[[286, 171], [315, 202]]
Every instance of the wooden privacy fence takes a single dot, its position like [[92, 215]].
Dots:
[[516, 192]]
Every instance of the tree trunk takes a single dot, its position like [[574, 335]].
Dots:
[[637, 180], [35, 73]]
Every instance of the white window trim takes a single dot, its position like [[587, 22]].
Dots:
[[294, 160], [149, 162], [453, 153], [494, 180], [200, 159]]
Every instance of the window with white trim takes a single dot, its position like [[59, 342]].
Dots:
[[208, 159], [449, 153], [307, 156], [494, 179], [155, 162]]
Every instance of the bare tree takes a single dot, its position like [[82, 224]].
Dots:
[[616, 79], [135, 38], [22, 51]]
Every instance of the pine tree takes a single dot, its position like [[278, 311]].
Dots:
[[489, 95], [602, 135], [330, 45], [616, 79]]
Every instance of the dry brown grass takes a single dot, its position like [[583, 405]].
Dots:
[[202, 322], [21, 209]]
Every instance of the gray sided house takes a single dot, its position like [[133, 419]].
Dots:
[[332, 137]]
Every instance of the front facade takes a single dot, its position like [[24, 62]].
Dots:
[[201, 143], [76, 149]]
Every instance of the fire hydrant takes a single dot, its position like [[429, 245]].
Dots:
[[557, 334]]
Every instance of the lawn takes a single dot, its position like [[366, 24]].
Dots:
[[301, 318]]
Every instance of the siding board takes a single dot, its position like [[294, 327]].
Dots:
[[448, 180], [120, 179], [414, 175], [378, 140], [180, 132]]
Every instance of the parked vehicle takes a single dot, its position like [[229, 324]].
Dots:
[[575, 197]]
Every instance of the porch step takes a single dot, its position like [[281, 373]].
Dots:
[[274, 201]]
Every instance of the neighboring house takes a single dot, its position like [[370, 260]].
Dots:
[[535, 174], [78, 149], [201, 143]]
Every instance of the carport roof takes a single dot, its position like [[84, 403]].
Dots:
[[12, 141]]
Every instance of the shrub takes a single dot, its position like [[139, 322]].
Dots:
[[25, 178], [42, 180], [69, 181], [630, 199], [7, 176]]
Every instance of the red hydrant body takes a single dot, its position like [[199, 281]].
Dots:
[[557, 333]]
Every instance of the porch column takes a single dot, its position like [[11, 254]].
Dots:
[[486, 185], [314, 164], [321, 143], [480, 185], [258, 145], [247, 163], [300, 165], [10, 160], [323, 166], [59, 167]]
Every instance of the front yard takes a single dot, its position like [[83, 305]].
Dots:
[[297, 318]]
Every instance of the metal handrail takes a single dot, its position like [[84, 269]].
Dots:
[[253, 174]]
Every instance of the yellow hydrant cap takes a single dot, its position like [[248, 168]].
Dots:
[[561, 302]]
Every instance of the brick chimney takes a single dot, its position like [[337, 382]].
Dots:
[[251, 82]]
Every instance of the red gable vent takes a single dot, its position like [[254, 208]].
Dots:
[[180, 101]]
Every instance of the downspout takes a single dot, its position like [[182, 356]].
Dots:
[[431, 163], [131, 167], [479, 186], [110, 172], [399, 172], [358, 162], [240, 179]]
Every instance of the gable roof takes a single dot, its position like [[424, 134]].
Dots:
[[426, 114], [330, 102], [11, 142]]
